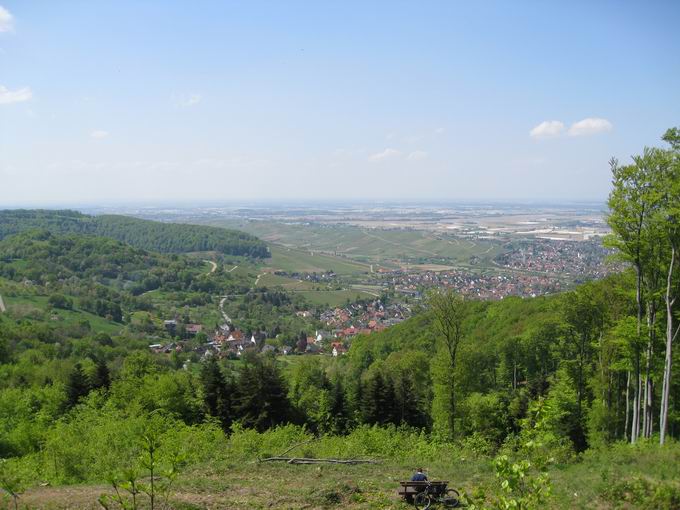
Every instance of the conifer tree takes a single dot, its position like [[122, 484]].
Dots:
[[77, 386], [261, 401], [101, 377]]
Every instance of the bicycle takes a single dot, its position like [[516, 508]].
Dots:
[[436, 494]]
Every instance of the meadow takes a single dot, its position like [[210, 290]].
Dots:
[[228, 474]]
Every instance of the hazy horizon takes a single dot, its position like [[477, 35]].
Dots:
[[160, 102]]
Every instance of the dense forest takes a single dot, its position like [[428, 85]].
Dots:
[[144, 234], [530, 382]]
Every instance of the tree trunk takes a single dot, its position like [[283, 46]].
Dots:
[[625, 427], [635, 425], [665, 391]]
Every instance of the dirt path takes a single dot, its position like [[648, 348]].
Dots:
[[230, 270], [213, 268], [258, 278], [227, 319], [2, 305]]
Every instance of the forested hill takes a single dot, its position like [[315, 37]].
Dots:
[[144, 234]]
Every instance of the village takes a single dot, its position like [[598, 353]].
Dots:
[[338, 326]]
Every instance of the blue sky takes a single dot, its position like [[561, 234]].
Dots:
[[227, 101]]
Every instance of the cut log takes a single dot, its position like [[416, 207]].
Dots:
[[304, 460]]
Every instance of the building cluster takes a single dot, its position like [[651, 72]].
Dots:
[[586, 260], [363, 318], [310, 277], [481, 286]]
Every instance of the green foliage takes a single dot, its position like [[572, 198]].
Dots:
[[642, 493], [261, 401], [161, 477], [144, 234]]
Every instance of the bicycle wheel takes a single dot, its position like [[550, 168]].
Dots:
[[451, 498], [422, 501]]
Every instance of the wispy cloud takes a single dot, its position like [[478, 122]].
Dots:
[[387, 153], [590, 126], [417, 155], [439, 131], [547, 129], [14, 96], [98, 134], [192, 100], [6, 20]]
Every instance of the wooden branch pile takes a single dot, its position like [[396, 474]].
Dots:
[[304, 460]]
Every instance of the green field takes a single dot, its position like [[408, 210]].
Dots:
[[27, 306], [316, 293], [292, 284], [371, 245], [301, 261], [334, 298]]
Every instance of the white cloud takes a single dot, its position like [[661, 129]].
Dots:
[[547, 129], [387, 153], [439, 131], [99, 134], [193, 99], [14, 96], [590, 126], [417, 155], [6, 20]]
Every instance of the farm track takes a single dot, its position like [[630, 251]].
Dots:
[[213, 268]]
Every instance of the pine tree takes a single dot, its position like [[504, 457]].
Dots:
[[338, 409], [101, 377], [217, 392], [261, 402], [373, 400], [77, 386]]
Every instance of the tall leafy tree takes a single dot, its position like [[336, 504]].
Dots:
[[449, 311], [669, 194]]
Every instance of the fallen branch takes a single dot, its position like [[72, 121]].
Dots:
[[296, 445], [303, 460]]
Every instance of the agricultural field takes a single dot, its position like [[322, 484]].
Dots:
[[304, 261], [386, 247], [334, 298], [317, 293]]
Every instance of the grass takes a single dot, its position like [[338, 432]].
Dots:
[[334, 298], [24, 304], [228, 484], [273, 280]]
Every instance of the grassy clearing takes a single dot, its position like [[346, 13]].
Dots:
[[230, 484], [273, 280], [27, 305], [334, 298]]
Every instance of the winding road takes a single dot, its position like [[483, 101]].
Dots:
[[213, 268]]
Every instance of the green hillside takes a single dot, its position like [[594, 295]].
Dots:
[[144, 234]]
